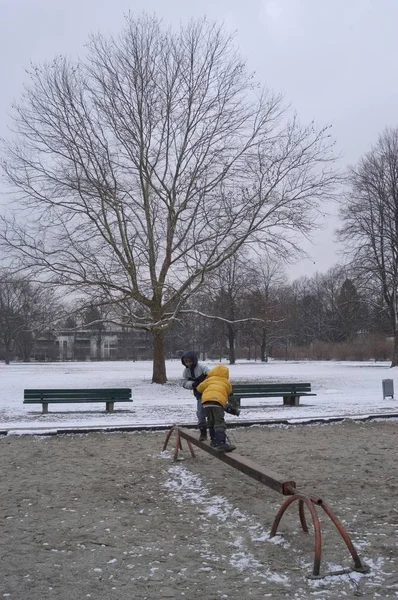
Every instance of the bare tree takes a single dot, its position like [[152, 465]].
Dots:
[[223, 311], [227, 290], [370, 216], [263, 302], [94, 319], [350, 312], [140, 170], [10, 322], [26, 310], [313, 307]]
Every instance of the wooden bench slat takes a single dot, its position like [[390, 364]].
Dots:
[[272, 386], [78, 396], [269, 395], [276, 391], [75, 400], [76, 391], [87, 392], [270, 383]]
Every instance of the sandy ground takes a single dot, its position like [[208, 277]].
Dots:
[[110, 516]]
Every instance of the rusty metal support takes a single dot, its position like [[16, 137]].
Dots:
[[358, 564], [303, 500], [285, 486], [311, 502]]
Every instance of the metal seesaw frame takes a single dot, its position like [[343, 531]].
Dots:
[[284, 486]]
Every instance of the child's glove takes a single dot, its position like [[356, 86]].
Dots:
[[198, 380], [231, 410]]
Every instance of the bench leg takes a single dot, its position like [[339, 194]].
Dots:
[[109, 406], [44, 408], [291, 400]]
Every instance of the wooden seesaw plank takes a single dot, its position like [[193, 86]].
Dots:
[[279, 483]]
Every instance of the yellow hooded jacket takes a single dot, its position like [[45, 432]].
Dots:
[[216, 387]]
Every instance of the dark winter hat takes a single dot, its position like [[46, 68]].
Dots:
[[192, 355]]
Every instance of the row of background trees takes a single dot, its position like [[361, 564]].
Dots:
[[147, 176], [247, 310]]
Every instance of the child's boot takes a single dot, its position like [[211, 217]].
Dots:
[[221, 442], [212, 434], [203, 433]]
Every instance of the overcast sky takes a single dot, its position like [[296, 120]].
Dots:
[[334, 60]]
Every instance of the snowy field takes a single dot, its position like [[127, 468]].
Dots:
[[343, 389]]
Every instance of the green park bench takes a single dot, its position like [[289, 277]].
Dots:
[[70, 396], [290, 392]]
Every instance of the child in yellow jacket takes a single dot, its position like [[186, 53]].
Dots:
[[215, 390]]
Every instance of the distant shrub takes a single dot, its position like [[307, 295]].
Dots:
[[362, 347]]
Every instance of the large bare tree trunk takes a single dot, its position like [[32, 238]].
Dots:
[[394, 361], [159, 366], [7, 355], [263, 347], [231, 345]]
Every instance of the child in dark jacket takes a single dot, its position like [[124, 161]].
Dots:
[[193, 374], [215, 390]]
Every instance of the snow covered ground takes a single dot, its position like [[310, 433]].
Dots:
[[343, 389], [146, 505]]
